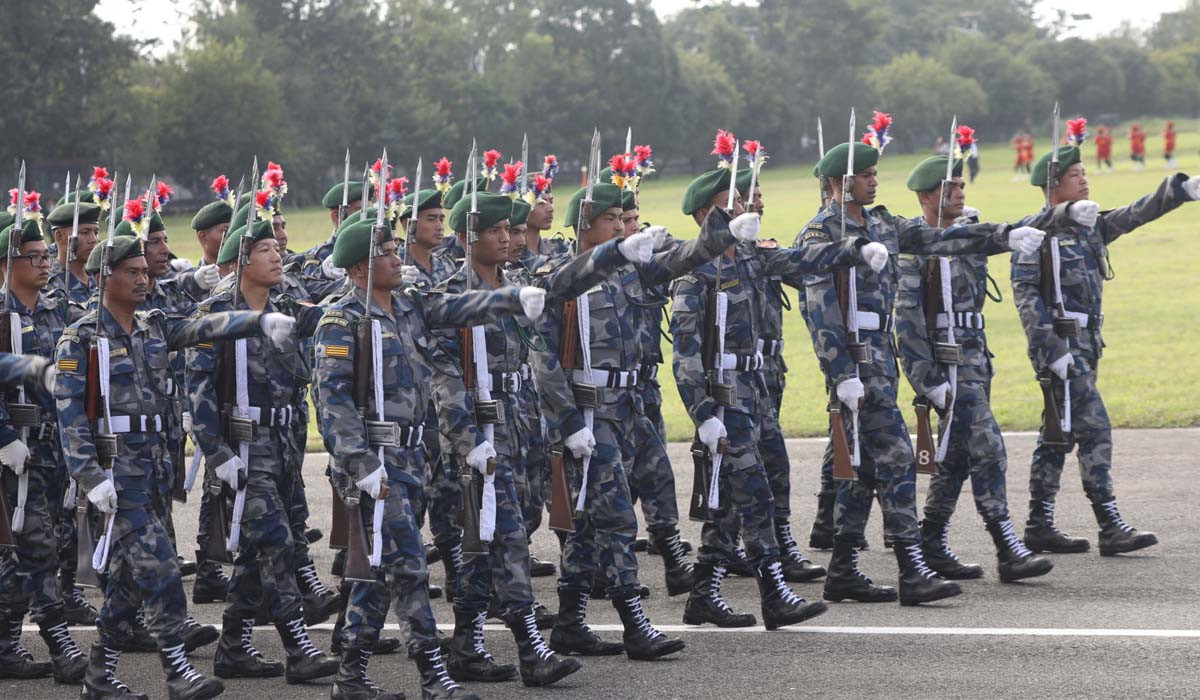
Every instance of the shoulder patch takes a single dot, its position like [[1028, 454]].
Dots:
[[205, 346], [689, 278], [70, 365], [328, 320], [338, 351], [816, 233], [908, 257], [730, 284]]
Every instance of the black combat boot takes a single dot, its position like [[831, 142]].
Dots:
[[797, 568], [67, 662], [935, 547], [101, 682], [76, 608], [432, 554], [187, 567], [821, 534], [737, 565], [918, 583], [452, 560], [338, 567], [435, 591], [15, 659], [1116, 537], [468, 659], [675, 563], [314, 535], [642, 641], [211, 584], [236, 656], [352, 681], [780, 605], [139, 641], [383, 647], [318, 602], [649, 547], [436, 683], [847, 582], [705, 603], [540, 569], [1042, 536], [1015, 561], [305, 661], [196, 635], [571, 634], [184, 682], [539, 665]]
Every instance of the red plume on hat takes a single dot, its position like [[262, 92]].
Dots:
[[442, 175], [878, 134], [1076, 131], [723, 148], [509, 178], [964, 138], [31, 203]]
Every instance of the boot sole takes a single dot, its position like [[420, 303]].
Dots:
[[839, 597], [1113, 551], [693, 620], [814, 609], [207, 694], [1074, 549], [673, 646], [587, 652], [969, 575], [295, 679], [228, 673], [552, 679], [1033, 574], [909, 602]]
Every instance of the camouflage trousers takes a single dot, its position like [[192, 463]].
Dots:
[[605, 531], [888, 467], [402, 579], [533, 477], [651, 478], [441, 499], [976, 450], [1092, 433], [264, 565], [142, 567], [771, 446], [29, 573], [504, 568], [206, 508], [747, 506]]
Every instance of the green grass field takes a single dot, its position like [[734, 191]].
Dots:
[[1152, 308]]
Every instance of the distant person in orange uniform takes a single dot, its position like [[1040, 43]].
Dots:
[[1104, 142], [1137, 147], [1169, 144]]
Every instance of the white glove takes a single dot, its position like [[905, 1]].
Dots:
[[13, 455], [1026, 240], [1192, 186], [1084, 212], [875, 255], [231, 471], [181, 264], [478, 458], [104, 496], [940, 395], [1060, 366], [710, 432], [278, 327], [49, 377], [330, 270], [206, 276], [581, 443], [410, 275], [187, 422], [638, 248], [745, 226], [372, 483], [659, 234], [533, 300], [969, 213], [851, 392]]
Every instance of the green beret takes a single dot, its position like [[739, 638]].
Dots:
[[357, 215], [353, 243], [426, 199], [604, 196], [628, 200], [30, 231], [123, 248], [704, 188], [743, 183], [64, 214], [520, 212], [834, 162], [493, 208], [816, 170], [929, 173], [229, 249], [6, 219], [84, 197], [239, 219], [455, 192], [212, 214], [333, 198], [1067, 156], [126, 229]]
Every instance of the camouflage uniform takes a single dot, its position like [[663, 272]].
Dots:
[[77, 291], [772, 447], [407, 375], [143, 564]]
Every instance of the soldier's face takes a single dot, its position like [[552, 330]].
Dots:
[[1072, 184], [516, 242], [541, 217], [129, 282], [757, 206], [955, 198], [492, 247], [630, 220], [604, 228], [279, 227], [266, 265], [389, 272], [431, 227], [85, 240], [865, 184], [158, 254], [210, 240], [32, 270]]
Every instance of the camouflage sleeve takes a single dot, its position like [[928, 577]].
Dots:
[[307, 318], [187, 285], [1045, 346], [468, 308], [824, 313], [581, 272], [333, 380], [455, 405], [554, 389], [182, 333], [916, 236], [70, 390], [792, 264], [912, 333], [204, 404], [671, 263], [1169, 196], [18, 369], [688, 299]]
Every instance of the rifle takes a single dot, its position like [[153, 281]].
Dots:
[[338, 537], [843, 457], [368, 388], [1056, 426], [73, 240], [824, 181], [560, 494], [345, 193], [412, 215]]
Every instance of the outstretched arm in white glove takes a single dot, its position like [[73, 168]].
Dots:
[[1084, 212], [638, 248], [206, 277], [875, 255], [1025, 239], [745, 226], [278, 327], [533, 301]]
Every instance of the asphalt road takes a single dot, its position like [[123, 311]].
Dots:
[[1124, 627]]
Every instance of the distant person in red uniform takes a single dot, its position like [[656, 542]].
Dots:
[[1169, 144], [1137, 146], [1104, 142], [1023, 143]]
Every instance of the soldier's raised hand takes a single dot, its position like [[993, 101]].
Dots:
[[206, 276], [659, 234], [331, 271], [637, 248], [14, 455], [875, 255], [1025, 240], [710, 433], [581, 443], [478, 457], [1084, 212], [104, 496], [533, 301], [1192, 186], [278, 327], [745, 226]]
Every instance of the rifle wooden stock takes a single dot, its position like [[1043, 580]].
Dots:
[[6, 533], [218, 528], [466, 344], [854, 345], [700, 509], [91, 398], [709, 335], [931, 297], [178, 493], [561, 519], [358, 563], [85, 574], [364, 367], [568, 344], [338, 537], [468, 510], [843, 470], [926, 452], [1052, 432]]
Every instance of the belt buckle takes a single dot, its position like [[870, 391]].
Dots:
[[25, 415], [725, 394], [948, 353], [859, 353], [107, 447], [242, 430], [1066, 327], [489, 412], [586, 395], [381, 433]]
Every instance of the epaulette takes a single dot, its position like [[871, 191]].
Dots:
[[70, 333], [206, 306], [692, 279], [336, 317], [294, 266], [550, 264], [815, 230], [153, 315]]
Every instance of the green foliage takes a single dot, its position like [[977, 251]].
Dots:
[[921, 92]]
